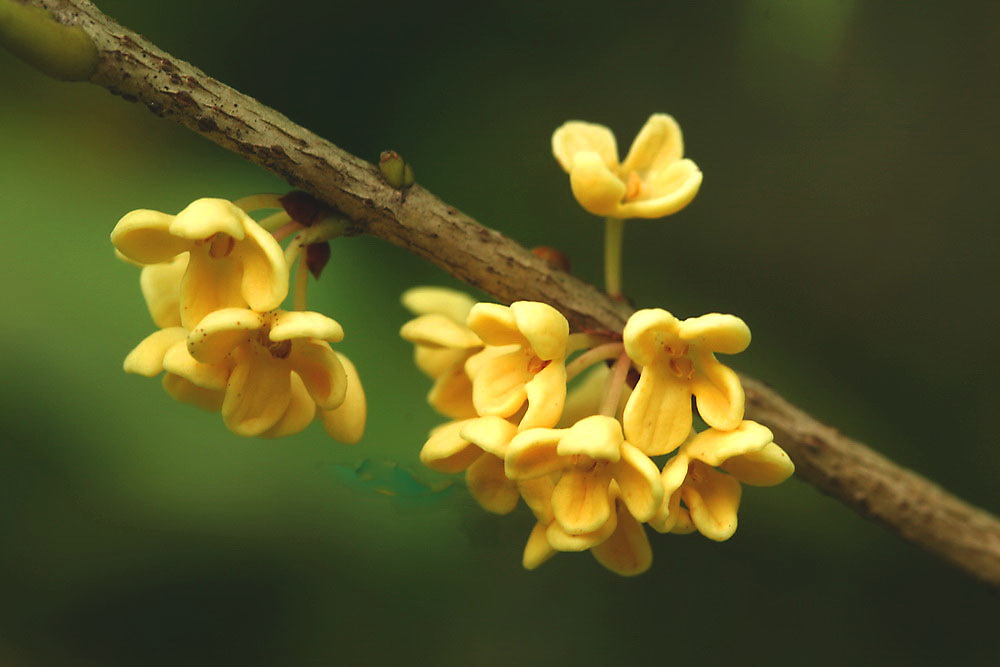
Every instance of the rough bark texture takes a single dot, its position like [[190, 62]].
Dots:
[[911, 506]]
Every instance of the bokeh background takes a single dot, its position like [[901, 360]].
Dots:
[[848, 214]]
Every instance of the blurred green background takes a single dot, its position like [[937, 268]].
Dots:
[[848, 215]]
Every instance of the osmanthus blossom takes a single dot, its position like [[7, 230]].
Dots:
[[654, 180], [233, 261], [586, 458], [678, 361], [442, 345], [523, 363], [711, 497]]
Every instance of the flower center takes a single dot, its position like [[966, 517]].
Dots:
[[221, 245], [633, 186], [535, 364], [277, 349], [680, 364]]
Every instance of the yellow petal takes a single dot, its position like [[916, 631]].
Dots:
[[447, 451], [300, 412], [560, 540], [186, 392], [715, 332], [717, 391], [544, 327], [321, 371], [179, 361], [161, 288], [595, 187], [440, 331], [639, 481], [289, 324], [648, 332], [264, 282], [532, 453], [221, 331], [144, 236], [257, 394], [627, 551], [494, 324], [537, 550], [597, 437], [490, 434], [667, 195], [581, 502], [209, 284], [713, 499], [451, 303], [451, 394], [498, 388], [765, 467], [346, 422], [575, 136], [537, 494], [147, 357], [479, 359], [203, 218], [490, 487], [546, 395], [715, 447], [657, 417], [658, 145]]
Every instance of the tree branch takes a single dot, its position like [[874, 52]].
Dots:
[[129, 66]]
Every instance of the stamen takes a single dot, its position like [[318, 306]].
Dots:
[[221, 245], [535, 365], [633, 186]]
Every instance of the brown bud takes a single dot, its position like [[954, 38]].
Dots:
[[303, 208], [555, 258], [317, 255]]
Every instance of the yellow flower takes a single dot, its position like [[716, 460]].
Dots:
[[711, 498], [233, 261], [587, 457], [523, 362], [346, 422], [652, 182], [282, 367], [678, 361], [443, 343], [476, 446]]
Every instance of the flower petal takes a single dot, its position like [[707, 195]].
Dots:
[[321, 371], [716, 332], [765, 467], [436, 361], [494, 324], [715, 447], [289, 324], [713, 499], [257, 394], [346, 422], [221, 331], [596, 188], [560, 540], [203, 218], [451, 394], [147, 357], [670, 192], [451, 303], [186, 392], [300, 412], [576, 136], [627, 551], [597, 437], [639, 481], [264, 282], [209, 284], [498, 388], [533, 453], [490, 434], [648, 332], [581, 501], [657, 417], [490, 487], [447, 451], [546, 395], [544, 327], [179, 361], [440, 331], [717, 391], [537, 494], [144, 236], [658, 144], [161, 288], [537, 550]]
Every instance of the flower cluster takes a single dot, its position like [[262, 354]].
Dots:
[[214, 280], [585, 463]]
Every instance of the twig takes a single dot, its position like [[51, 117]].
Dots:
[[130, 66]]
